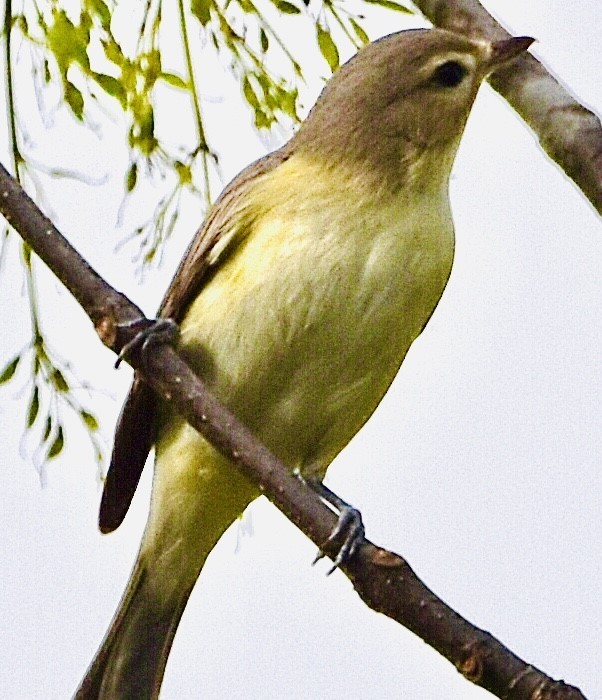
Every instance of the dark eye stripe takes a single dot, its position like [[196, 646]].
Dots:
[[449, 74]]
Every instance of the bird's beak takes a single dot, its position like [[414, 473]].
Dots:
[[506, 50]]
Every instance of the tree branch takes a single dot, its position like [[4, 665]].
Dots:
[[570, 134], [383, 580]]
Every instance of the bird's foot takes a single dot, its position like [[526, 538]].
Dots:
[[349, 528], [152, 332]]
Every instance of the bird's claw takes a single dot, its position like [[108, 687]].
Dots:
[[351, 528], [156, 332]]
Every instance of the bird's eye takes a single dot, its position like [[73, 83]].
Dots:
[[449, 74]]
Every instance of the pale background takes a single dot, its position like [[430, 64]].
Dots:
[[482, 465]]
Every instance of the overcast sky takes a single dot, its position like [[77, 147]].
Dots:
[[481, 466]]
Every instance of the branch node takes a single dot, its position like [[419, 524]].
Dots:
[[473, 665], [386, 559], [106, 328]]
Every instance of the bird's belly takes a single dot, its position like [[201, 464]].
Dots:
[[303, 349], [344, 364]]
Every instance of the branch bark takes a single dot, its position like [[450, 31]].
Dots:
[[383, 580], [569, 134]]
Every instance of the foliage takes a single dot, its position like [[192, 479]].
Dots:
[[51, 384], [78, 47]]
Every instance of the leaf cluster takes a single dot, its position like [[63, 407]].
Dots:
[[52, 387], [99, 64]]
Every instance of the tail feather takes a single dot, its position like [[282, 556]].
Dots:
[[131, 661], [196, 495]]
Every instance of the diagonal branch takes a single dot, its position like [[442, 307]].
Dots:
[[570, 134], [383, 580]]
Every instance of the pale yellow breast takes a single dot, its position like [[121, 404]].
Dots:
[[303, 328]]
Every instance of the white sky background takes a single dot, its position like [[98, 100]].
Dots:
[[481, 466]]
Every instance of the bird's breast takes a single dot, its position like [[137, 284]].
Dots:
[[304, 327]]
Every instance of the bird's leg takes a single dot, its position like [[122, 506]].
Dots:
[[152, 332], [349, 527]]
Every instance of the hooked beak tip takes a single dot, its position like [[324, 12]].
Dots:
[[507, 49]]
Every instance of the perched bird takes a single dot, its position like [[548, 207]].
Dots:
[[298, 300]]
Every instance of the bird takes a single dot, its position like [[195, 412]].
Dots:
[[297, 301]]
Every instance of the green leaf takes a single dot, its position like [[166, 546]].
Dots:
[[26, 252], [47, 428], [247, 7], [112, 87], [131, 177], [9, 369], [68, 42], [261, 120], [390, 5], [327, 47], [20, 22], [174, 80], [57, 444], [89, 419], [263, 40], [150, 256], [74, 99], [359, 31], [100, 9], [184, 172], [59, 381], [113, 51], [201, 10], [286, 7], [151, 65], [34, 407], [145, 138], [85, 22], [288, 102], [249, 93]]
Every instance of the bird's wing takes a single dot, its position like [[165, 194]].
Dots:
[[222, 230]]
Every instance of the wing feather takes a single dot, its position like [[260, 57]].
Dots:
[[223, 229]]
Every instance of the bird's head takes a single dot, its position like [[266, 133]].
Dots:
[[402, 98]]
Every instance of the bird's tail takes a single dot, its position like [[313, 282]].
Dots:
[[131, 661], [196, 496]]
